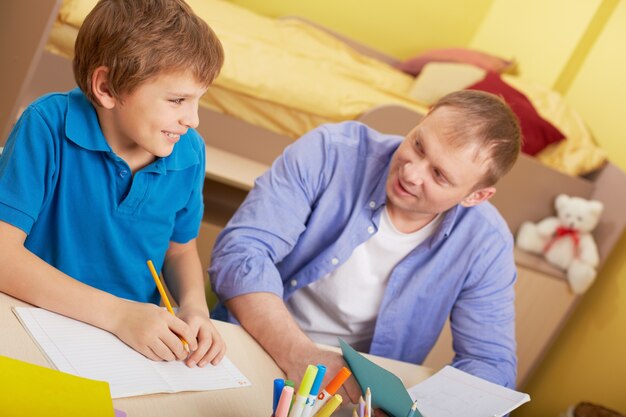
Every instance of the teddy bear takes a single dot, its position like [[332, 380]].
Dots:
[[565, 240]]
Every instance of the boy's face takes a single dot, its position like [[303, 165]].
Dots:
[[153, 116], [428, 175]]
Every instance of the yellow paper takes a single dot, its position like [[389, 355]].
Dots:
[[31, 390]]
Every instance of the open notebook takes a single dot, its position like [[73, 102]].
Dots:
[[452, 392], [87, 351]]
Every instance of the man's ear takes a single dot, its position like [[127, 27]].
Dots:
[[478, 196], [100, 87]]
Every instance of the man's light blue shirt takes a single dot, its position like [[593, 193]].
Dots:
[[306, 215], [83, 210]]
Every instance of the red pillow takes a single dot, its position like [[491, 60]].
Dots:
[[479, 59], [536, 131]]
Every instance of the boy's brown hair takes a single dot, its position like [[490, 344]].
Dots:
[[487, 121], [139, 39]]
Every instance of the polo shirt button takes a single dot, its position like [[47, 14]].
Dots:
[[123, 173], [370, 229], [334, 261], [294, 282], [372, 204]]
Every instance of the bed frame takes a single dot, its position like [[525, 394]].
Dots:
[[238, 152]]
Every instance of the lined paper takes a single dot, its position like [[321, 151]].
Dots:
[[84, 350], [451, 392]]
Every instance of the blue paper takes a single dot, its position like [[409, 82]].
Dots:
[[388, 391]]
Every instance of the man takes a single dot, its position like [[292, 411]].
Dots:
[[379, 240]]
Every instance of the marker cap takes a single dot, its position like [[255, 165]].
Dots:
[[330, 406], [321, 371], [338, 380], [279, 383], [307, 380], [282, 409]]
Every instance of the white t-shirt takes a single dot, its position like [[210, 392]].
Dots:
[[345, 303]]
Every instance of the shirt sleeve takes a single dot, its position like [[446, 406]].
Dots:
[[483, 318], [27, 170], [188, 219], [267, 225]]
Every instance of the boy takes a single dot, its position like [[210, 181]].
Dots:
[[96, 181]]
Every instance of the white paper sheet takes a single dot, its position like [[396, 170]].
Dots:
[[452, 393], [84, 350]]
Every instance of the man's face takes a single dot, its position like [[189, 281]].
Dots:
[[428, 175], [152, 117]]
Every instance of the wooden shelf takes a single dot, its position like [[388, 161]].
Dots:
[[230, 169]]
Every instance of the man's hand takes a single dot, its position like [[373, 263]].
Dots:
[[153, 331], [312, 355], [211, 346], [266, 318]]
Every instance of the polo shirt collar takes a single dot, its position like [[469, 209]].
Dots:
[[83, 128], [81, 124]]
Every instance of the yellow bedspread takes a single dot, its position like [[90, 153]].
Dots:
[[289, 77], [280, 74]]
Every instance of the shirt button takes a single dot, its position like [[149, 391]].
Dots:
[[372, 204], [123, 173], [294, 282], [370, 229], [334, 261]]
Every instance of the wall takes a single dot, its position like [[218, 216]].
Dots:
[[587, 361], [576, 47], [527, 31], [399, 27]]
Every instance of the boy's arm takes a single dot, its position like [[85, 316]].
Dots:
[[182, 271], [145, 327]]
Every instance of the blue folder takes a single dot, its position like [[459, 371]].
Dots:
[[388, 391]]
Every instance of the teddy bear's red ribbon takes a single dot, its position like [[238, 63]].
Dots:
[[561, 232]]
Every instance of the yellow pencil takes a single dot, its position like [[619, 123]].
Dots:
[[166, 301]]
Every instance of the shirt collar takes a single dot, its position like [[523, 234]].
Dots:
[[81, 124], [83, 128]]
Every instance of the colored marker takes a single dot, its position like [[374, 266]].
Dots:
[[303, 392], [330, 406], [331, 389], [279, 384], [282, 409], [315, 389], [368, 402]]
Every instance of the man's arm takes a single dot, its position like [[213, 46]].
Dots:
[[483, 320], [145, 327], [266, 318]]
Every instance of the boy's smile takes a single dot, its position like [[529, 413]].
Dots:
[[148, 122]]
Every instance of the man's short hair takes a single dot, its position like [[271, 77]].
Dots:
[[139, 39], [489, 123]]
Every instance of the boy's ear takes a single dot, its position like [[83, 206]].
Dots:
[[478, 196], [100, 87]]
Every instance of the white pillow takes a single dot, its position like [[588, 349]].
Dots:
[[440, 78]]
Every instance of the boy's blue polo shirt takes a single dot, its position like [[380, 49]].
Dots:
[[81, 207]]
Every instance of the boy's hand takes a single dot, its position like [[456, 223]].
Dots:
[[210, 345], [153, 331]]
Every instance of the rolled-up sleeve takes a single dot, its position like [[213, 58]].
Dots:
[[268, 224]]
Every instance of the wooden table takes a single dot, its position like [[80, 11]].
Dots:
[[243, 350]]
